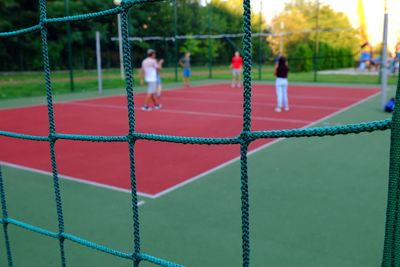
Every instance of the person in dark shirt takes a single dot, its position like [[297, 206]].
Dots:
[[281, 83]]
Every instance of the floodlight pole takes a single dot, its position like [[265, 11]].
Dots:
[[259, 46], [121, 54], [175, 26], [316, 45], [98, 57], [121, 60], [384, 59], [69, 47], [209, 40]]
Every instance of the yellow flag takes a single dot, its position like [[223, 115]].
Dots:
[[363, 24]]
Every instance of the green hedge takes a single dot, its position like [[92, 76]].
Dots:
[[301, 57]]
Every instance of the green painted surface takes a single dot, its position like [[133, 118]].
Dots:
[[314, 202]]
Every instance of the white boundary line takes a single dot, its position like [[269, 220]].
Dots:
[[190, 180], [211, 114], [179, 87], [83, 104], [70, 178], [273, 95], [26, 106], [101, 97], [86, 103], [197, 113], [254, 103], [201, 175]]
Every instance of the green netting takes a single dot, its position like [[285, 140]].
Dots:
[[391, 254]]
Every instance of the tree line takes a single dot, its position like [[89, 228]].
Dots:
[[193, 18]]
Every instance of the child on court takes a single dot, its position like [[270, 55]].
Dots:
[[185, 64], [148, 73], [236, 66], [281, 83]]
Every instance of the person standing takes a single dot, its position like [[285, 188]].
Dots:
[[185, 64], [281, 83], [365, 59], [148, 73], [236, 66]]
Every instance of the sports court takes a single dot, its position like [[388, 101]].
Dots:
[[219, 176], [193, 112], [193, 201]]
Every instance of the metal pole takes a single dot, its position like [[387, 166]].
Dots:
[[98, 57], [259, 46], [121, 54], [384, 76], [175, 39], [316, 48], [209, 41], [69, 47]]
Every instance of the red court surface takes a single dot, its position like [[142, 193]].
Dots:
[[203, 111]]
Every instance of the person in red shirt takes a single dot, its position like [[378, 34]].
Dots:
[[236, 66]]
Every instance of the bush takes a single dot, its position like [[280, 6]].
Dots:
[[301, 59]]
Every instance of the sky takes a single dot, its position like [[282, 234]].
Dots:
[[374, 14]]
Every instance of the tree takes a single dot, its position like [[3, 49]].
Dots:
[[155, 19], [288, 28], [299, 19]]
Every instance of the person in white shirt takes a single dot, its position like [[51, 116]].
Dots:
[[148, 74]]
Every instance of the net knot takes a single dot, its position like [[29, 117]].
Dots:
[[42, 24], [52, 137], [132, 137], [246, 137], [61, 236], [136, 256]]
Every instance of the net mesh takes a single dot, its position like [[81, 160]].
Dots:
[[391, 253]]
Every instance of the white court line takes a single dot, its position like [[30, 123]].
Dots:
[[197, 86], [80, 103], [197, 113], [70, 178], [253, 103], [201, 175], [190, 180], [211, 114], [273, 95], [97, 97]]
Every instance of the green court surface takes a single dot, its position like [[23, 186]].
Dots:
[[313, 202]]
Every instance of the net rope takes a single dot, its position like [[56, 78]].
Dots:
[[225, 35], [391, 253]]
